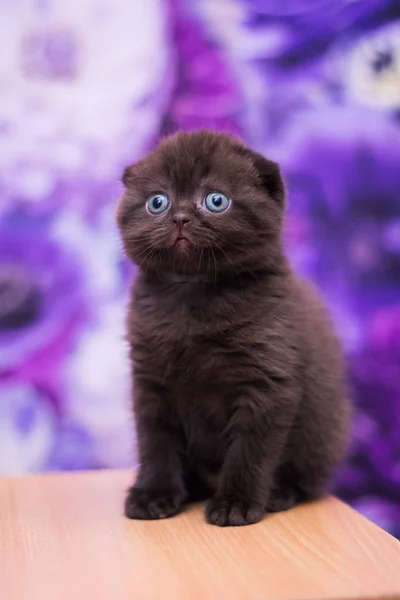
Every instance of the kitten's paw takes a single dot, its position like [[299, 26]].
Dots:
[[233, 512], [281, 500], [152, 504]]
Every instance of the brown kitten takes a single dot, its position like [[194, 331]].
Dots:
[[239, 394]]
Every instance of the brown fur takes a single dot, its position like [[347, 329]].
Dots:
[[238, 379]]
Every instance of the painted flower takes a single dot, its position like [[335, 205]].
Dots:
[[206, 92], [84, 91], [297, 54], [41, 299], [367, 68], [28, 425], [342, 168], [98, 387], [73, 449], [309, 28]]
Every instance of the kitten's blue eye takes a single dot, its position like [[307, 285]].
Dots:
[[157, 204], [216, 202]]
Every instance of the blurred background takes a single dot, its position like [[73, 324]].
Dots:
[[89, 86]]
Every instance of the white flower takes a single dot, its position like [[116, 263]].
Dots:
[[98, 388], [84, 84], [98, 246], [370, 68], [27, 429]]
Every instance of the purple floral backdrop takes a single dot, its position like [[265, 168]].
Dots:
[[90, 86]]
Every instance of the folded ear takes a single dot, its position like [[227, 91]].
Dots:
[[269, 174], [127, 175], [124, 205]]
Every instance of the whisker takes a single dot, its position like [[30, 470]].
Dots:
[[146, 249], [199, 263], [215, 266], [237, 270], [226, 256], [158, 263], [146, 256]]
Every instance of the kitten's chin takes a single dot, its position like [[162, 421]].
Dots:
[[182, 244]]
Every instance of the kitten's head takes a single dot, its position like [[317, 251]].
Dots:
[[202, 204]]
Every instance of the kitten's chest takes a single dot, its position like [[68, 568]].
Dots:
[[181, 310], [183, 327], [200, 384], [196, 349]]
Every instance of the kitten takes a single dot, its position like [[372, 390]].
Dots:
[[239, 392]]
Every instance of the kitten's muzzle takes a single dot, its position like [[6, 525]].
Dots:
[[182, 241], [180, 221]]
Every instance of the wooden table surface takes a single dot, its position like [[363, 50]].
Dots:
[[64, 536]]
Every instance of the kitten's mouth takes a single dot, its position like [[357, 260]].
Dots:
[[182, 241]]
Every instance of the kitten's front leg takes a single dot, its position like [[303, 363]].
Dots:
[[257, 435], [159, 490]]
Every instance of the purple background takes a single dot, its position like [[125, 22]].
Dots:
[[89, 86]]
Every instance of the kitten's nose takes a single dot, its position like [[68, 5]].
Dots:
[[180, 220]]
